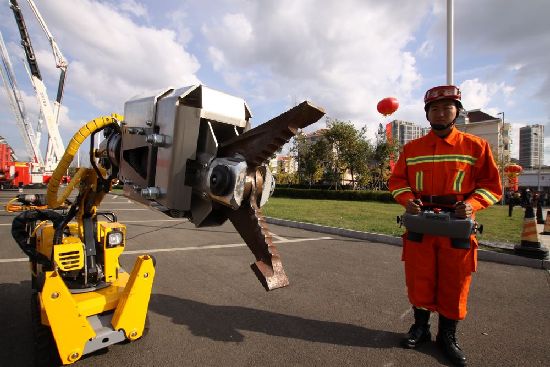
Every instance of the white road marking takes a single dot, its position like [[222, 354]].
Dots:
[[209, 247], [191, 248], [115, 203], [115, 196], [14, 260], [126, 209], [277, 236], [135, 221], [156, 220], [144, 208]]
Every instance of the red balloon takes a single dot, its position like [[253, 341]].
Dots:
[[387, 106]]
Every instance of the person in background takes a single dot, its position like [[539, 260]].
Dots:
[[509, 200], [537, 202], [527, 198], [513, 200], [454, 171]]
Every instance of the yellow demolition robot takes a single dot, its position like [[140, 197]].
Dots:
[[82, 300], [187, 152]]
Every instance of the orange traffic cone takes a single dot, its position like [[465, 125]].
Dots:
[[530, 245], [547, 224]]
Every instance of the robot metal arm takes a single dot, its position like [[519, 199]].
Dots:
[[190, 152]]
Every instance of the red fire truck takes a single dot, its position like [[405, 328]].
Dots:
[[19, 174]]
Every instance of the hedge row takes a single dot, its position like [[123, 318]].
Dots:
[[352, 195]]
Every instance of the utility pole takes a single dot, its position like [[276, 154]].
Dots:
[[539, 156], [450, 41], [501, 154]]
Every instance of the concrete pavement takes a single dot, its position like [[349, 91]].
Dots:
[[346, 303]]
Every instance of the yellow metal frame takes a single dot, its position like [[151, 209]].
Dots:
[[127, 296], [131, 310], [66, 313], [70, 329]]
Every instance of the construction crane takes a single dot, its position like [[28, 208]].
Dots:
[[55, 143], [60, 62], [18, 108]]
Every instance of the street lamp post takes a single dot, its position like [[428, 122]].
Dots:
[[450, 41], [540, 164], [538, 178], [501, 153]]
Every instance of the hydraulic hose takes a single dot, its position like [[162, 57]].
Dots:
[[19, 231], [76, 141]]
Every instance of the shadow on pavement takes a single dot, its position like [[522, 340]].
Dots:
[[222, 323], [15, 318], [218, 323]]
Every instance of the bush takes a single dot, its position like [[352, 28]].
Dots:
[[351, 195], [306, 186]]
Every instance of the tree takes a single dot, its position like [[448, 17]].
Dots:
[[286, 178], [384, 152], [363, 175], [311, 158], [350, 151]]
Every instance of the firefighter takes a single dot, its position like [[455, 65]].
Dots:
[[453, 171]]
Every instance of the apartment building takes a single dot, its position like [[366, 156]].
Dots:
[[531, 146]]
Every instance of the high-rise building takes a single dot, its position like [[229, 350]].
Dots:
[[531, 146], [405, 131]]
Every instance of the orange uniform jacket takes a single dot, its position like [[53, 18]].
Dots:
[[459, 164], [438, 275]]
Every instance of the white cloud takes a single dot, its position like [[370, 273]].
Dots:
[[178, 20], [514, 33], [476, 94], [132, 7], [112, 57], [216, 57], [240, 29], [344, 56], [426, 49]]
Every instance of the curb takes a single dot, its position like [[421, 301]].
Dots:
[[482, 254]]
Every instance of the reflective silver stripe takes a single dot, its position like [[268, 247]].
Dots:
[[419, 180], [464, 158], [459, 178], [400, 191], [487, 195]]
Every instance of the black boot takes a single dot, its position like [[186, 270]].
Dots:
[[419, 331], [446, 339]]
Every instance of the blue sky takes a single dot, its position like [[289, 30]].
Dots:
[[342, 55]]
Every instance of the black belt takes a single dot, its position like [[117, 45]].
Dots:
[[441, 199]]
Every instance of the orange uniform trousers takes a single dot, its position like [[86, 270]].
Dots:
[[438, 275]]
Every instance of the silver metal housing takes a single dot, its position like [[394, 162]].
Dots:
[[169, 141]]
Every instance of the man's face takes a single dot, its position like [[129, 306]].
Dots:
[[442, 112]]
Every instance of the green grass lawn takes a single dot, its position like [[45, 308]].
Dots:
[[378, 217]]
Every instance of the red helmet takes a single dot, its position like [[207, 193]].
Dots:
[[442, 92]]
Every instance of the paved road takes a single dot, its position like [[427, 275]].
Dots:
[[346, 304]]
